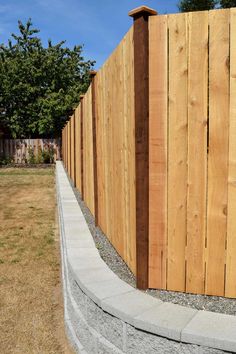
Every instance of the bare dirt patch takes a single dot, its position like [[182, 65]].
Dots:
[[31, 310]]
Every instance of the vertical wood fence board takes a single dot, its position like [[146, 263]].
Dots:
[[100, 130], [66, 150], [73, 148], [69, 148], [129, 169], [103, 130], [88, 176], [218, 150], [94, 123], [158, 84], [230, 288], [177, 153], [197, 150], [63, 142], [78, 149], [115, 150], [117, 163]]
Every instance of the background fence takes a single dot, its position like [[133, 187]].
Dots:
[[21, 151], [184, 233]]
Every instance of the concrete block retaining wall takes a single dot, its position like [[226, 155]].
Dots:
[[103, 314]]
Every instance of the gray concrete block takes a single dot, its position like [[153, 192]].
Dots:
[[127, 306], [82, 253], [82, 331], [111, 328], [72, 215], [75, 231], [66, 196], [79, 297], [101, 290], [212, 330], [91, 275], [73, 340], [81, 263], [92, 314], [69, 218], [72, 209], [105, 347], [139, 342], [167, 320], [79, 243]]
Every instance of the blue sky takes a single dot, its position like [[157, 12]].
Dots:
[[99, 25]]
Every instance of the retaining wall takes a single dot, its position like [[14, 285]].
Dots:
[[103, 314]]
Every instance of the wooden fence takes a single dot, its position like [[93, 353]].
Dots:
[[21, 151], [152, 148]]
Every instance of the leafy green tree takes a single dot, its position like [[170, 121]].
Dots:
[[227, 3], [196, 5], [39, 86]]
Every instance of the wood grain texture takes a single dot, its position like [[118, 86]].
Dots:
[[64, 139], [88, 172], [73, 148], [141, 108], [158, 104], [115, 150], [69, 148], [78, 162], [94, 123], [197, 150], [177, 151], [66, 146], [218, 150], [230, 286]]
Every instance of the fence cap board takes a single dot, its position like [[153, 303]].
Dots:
[[141, 10]]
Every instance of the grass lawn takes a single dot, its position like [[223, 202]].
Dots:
[[31, 308]]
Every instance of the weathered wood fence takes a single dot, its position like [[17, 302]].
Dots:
[[152, 149], [20, 151]]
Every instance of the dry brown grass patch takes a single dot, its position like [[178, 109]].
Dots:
[[31, 318]]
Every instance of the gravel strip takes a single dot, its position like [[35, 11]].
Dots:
[[119, 267]]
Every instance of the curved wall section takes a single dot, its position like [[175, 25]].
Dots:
[[103, 314]]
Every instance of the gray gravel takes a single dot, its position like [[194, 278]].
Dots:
[[118, 266]]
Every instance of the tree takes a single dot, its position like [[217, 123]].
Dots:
[[196, 5], [227, 3], [39, 86]]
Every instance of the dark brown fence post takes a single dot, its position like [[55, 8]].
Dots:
[[92, 75], [141, 109], [81, 146]]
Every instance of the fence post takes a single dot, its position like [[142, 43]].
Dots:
[[66, 147], [92, 75], [81, 146], [141, 111]]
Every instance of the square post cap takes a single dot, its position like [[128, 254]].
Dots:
[[92, 73], [142, 10]]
